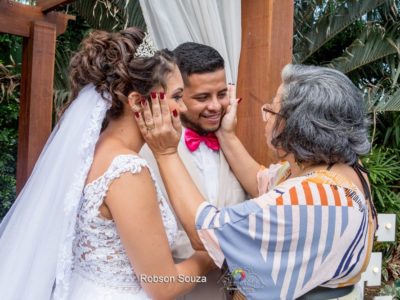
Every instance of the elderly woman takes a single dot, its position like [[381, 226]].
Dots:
[[312, 224]]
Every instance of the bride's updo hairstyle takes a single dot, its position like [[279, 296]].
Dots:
[[107, 60]]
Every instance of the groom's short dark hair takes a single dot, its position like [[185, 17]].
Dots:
[[194, 58]]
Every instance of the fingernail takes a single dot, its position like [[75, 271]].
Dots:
[[143, 98], [240, 99], [162, 96], [137, 114], [153, 95], [175, 113], [144, 102]]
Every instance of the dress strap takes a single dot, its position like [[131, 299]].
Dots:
[[359, 169], [124, 164]]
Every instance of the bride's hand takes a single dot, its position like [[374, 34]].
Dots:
[[161, 129], [228, 123]]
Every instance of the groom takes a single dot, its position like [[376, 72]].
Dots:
[[206, 98]]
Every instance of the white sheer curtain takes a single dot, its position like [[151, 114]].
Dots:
[[216, 23]]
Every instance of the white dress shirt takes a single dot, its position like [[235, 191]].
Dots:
[[207, 162]]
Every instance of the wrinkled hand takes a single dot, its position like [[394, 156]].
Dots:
[[160, 129], [229, 121]]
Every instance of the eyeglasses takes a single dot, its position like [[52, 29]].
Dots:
[[267, 111]]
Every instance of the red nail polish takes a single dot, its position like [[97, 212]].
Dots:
[[175, 113], [143, 98], [143, 102], [153, 95], [240, 99], [162, 95], [137, 114]]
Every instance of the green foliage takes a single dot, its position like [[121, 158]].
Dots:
[[384, 173], [111, 15], [392, 289], [9, 107], [359, 38], [317, 22], [67, 44]]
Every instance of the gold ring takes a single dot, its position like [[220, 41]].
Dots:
[[151, 127]]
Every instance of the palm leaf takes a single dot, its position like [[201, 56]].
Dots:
[[333, 21], [111, 15], [373, 44], [380, 100]]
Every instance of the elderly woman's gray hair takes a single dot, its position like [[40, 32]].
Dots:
[[323, 116]]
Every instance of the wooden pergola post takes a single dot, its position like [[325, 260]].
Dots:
[[36, 103], [39, 30], [267, 33]]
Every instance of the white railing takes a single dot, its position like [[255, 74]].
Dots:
[[385, 233]]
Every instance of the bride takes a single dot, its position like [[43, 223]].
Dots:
[[91, 222]]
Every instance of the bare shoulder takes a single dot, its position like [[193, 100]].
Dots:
[[349, 173]]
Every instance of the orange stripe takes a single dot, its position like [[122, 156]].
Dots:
[[322, 194], [279, 200], [307, 192], [349, 201], [336, 196], [293, 196]]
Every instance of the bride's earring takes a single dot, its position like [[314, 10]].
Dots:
[[136, 108]]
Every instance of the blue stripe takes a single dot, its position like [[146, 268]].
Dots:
[[222, 217], [299, 250], [355, 263], [358, 255], [286, 244], [314, 243], [345, 219], [346, 255], [348, 261], [330, 234], [203, 215], [273, 231]]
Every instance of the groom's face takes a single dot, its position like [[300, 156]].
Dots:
[[206, 99]]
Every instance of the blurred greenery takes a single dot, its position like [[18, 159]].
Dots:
[[9, 107]]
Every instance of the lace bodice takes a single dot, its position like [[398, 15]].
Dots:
[[98, 251]]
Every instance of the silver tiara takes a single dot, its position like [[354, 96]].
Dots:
[[146, 47]]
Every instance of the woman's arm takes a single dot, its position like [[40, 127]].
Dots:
[[242, 164], [183, 194], [133, 204]]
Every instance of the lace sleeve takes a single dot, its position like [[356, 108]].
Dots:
[[123, 164], [96, 190]]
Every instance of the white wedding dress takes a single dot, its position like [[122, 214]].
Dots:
[[101, 268]]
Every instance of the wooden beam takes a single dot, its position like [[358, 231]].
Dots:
[[47, 5], [35, 117], [16, 18], [267, 33]]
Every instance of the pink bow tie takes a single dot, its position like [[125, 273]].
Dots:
[[193, 140]]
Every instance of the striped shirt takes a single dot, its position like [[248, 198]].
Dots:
[[308, 231]]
